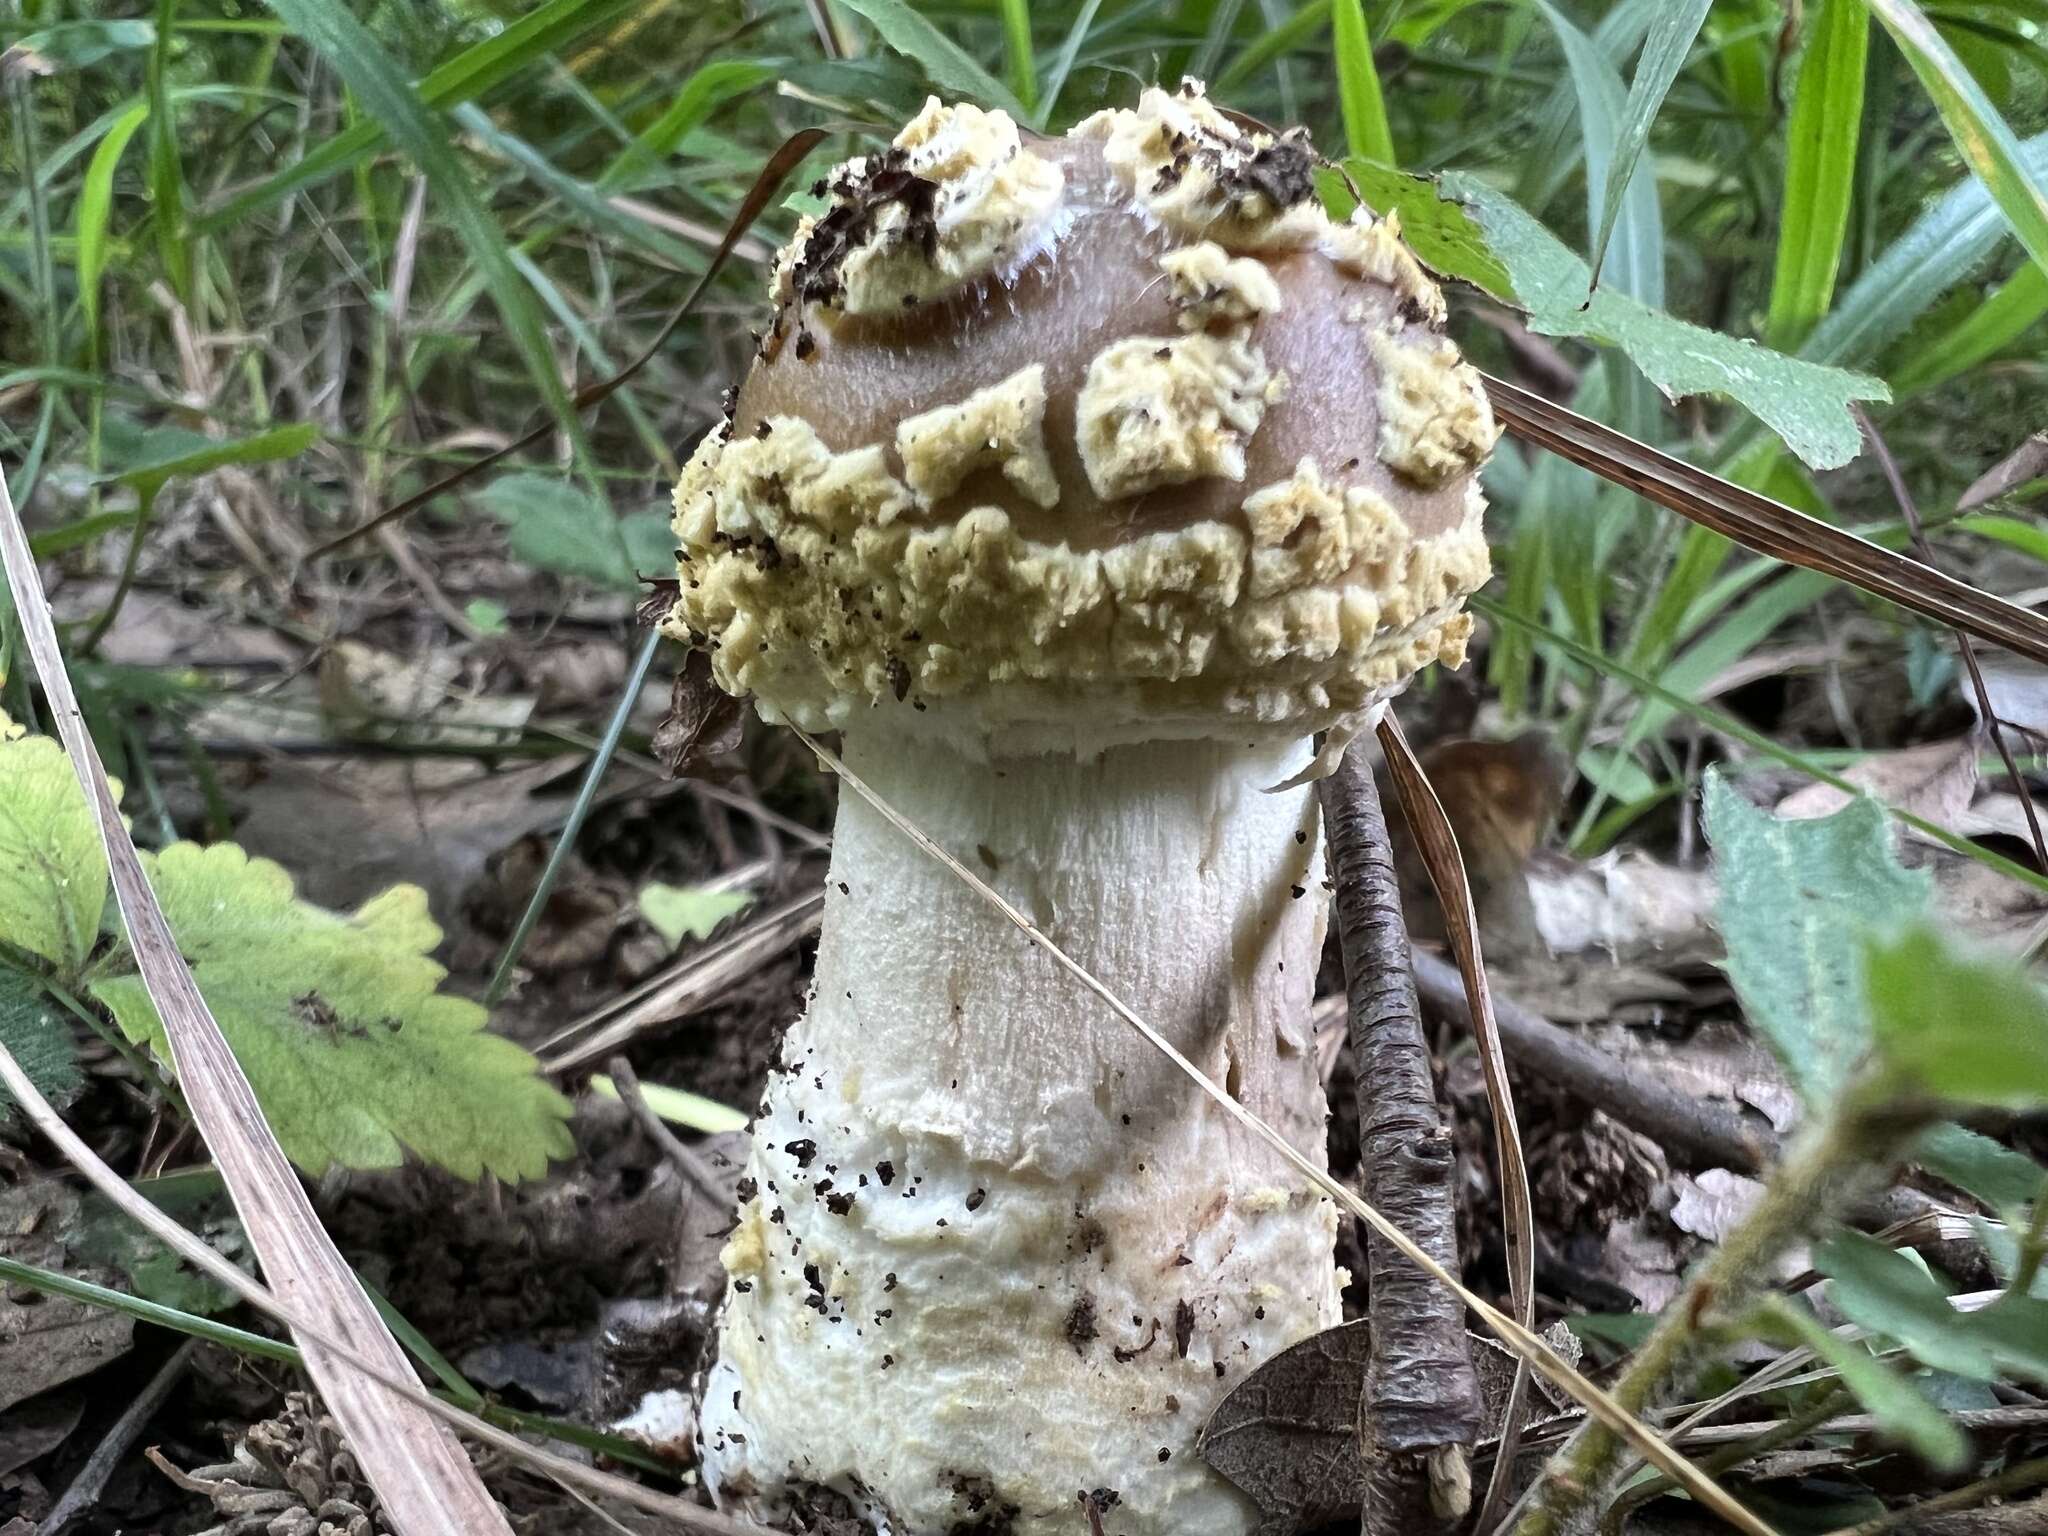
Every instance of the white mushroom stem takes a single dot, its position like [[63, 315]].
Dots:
[[997, 1251]]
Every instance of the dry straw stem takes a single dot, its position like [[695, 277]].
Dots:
[[419, 1471], [1522, 1341], [1439, 847], [400, 1391], [1769, 527]]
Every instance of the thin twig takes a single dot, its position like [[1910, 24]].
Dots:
[[92, 1478], [1696, 1132], [2014, 1479], [1758, 523], [314, 1335], [1910, 509], [686, 1161], [1420, 1392]]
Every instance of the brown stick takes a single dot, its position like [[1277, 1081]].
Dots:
[[1695, 1132], [1421, 1393]]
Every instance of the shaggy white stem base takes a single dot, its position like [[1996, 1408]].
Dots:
[[995, 1252]]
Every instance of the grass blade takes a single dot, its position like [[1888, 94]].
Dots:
[[1063, 61], [946, 63], [1664, 51], [387, 98], [1366, 130], [1023, 66], [1986, 141], [463, 78], [1297, 29], [166, 175], [1766, 526], [92, 214], [2001, 319], [1820, 171]]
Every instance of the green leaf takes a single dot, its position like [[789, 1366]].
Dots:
[[1366, 131], [39, 1038], [1797, 898], [351, 1049], [76, 44], [1987, 143], [1898, 1406], [94, 209], [1804, 403], [679, 1106], [388, 98], [677, 912], [1884, 1291], [164, 453], [488, 616], [463, 78], [1989, 327], [2003, 1179], [53, 871], [1820, 170], [1972, 1028], [945, 62], [166, 171], [557, 527], [106, 1237], [1439, 231], [1671, 36]]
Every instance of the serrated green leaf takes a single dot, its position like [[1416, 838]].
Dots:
[[337, 1020], [1439, 231], [1882, 1290], [946, 63], [53, 872], [1806, 404], [1797, 898], [1897, 1405], [677, 912], [1972, 1028], [39, 1038]]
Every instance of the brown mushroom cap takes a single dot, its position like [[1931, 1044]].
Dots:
[[1111, 437]]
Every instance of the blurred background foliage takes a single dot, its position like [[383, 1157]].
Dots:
[[266, 270]]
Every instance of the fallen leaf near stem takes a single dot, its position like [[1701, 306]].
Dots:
[[55, 1338], [679, 912], [1287, 1435], [703, 722], [1935, 782]]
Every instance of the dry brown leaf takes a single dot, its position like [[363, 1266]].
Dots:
[[1934, 782]]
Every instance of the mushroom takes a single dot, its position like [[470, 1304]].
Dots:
[[1078, 482]]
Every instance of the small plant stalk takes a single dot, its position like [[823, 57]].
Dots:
[[1821, 1171], [1420, 1409]]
